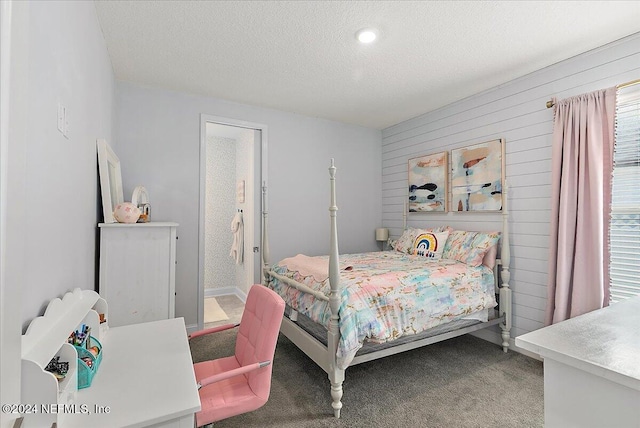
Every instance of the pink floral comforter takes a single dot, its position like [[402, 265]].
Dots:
[[389, 294]]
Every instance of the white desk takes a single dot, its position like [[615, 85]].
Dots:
[[591, 368], [146, 378]]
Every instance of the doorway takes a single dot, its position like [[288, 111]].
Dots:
[[232, 170]]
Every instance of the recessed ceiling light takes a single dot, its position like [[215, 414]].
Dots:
[[366, 35]]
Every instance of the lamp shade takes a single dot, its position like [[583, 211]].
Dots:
[[382, 234]]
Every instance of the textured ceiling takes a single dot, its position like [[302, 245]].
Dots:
[[302, 56]]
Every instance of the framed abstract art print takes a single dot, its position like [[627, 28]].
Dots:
[[428, 190], [477, 175]]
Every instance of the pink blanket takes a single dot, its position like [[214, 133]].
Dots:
[[317, 267]]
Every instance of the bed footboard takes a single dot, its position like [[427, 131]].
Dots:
[[336, 375], [505, 275], [326, 358]]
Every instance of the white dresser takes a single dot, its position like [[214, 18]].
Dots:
[[137, 271], [591, 368]]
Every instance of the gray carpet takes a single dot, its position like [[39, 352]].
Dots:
[[462, 382]]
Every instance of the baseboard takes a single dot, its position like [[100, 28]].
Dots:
[[225, 291], [495, 337], [215, 292]]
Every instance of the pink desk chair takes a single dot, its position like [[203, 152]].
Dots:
[[241, 383]]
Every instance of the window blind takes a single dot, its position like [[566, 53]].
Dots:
[[625, 201]]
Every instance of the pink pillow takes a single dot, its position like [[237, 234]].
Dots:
[[490, 256]]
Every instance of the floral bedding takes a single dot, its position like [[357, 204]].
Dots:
[[389, 294]]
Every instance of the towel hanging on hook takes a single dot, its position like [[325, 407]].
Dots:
[[237, 228]]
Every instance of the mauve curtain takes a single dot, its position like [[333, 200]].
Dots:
[[582, 158]]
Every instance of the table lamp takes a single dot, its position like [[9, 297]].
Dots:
[[382, 235]]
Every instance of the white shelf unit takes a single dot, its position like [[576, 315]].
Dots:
[[45, 338], [137, 271]]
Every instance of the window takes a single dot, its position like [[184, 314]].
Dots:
[[625, 203]]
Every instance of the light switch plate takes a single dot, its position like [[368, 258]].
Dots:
[[61, 118], [65, 129]]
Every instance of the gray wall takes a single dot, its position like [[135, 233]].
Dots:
[[50, 196], [67, 63], [158, 134], [514, 111]]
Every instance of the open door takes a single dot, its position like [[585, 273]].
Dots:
[[231, 173]]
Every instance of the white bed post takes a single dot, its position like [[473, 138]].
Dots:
[[336, 375], [505, 275], [404, 215], [265, 240]]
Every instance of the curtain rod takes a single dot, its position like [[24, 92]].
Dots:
[[550, 103]]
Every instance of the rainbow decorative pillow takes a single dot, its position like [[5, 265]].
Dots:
[[430, 244], [404, 244]]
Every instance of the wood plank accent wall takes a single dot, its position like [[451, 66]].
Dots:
[[515, 111]]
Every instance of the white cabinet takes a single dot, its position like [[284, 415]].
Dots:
[[591, 370], [137, 271]]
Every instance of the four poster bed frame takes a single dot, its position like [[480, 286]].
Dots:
[[325, 355]]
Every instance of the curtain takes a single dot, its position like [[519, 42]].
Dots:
[[582, 162]]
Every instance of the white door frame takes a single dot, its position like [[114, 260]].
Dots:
[[8, 356], [14, 50], [204, 119]]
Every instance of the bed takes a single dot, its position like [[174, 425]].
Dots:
[[348, 309]]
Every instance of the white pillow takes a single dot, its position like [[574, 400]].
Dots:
[[430, 244]]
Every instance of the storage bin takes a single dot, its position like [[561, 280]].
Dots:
[[87, 369]]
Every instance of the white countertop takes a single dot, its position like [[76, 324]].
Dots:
[[149, 224], [605, 342]]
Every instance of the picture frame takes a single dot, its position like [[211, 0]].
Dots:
[[428, 183], [110, 180], [477, 177]]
